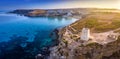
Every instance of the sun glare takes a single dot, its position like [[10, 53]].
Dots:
[[118, 4]]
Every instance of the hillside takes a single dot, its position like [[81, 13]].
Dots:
[[105, 42], [99, 22]]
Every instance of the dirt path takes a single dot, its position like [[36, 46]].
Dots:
[[104, 37]]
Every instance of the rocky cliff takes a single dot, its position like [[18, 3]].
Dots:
[[77, 49]]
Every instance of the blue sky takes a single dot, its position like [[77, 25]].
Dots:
[[11, 4], [15, 4], [51, 4]]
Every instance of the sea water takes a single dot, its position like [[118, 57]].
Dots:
[[34, 29]]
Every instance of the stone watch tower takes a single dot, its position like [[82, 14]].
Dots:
[[85, 35]]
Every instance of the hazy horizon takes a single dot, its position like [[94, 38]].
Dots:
[[57, 4]]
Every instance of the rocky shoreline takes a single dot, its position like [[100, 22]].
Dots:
[[70, 49], [94, 50], [42, 13], [73, 12]]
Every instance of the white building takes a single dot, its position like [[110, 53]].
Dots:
[[85, 35]]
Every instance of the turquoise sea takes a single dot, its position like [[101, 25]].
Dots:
[[30, 35]]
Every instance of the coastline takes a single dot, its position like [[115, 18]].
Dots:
[[68, 50]]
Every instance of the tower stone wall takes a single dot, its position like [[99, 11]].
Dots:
[[85, 35]]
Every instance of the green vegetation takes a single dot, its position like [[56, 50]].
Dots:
[[93, 44], [91, 23], [65, 41], [99, 22], [74, 37], [77, 39], [118, 40]]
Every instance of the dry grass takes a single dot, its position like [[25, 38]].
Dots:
[[36, 12], [99, 22]]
